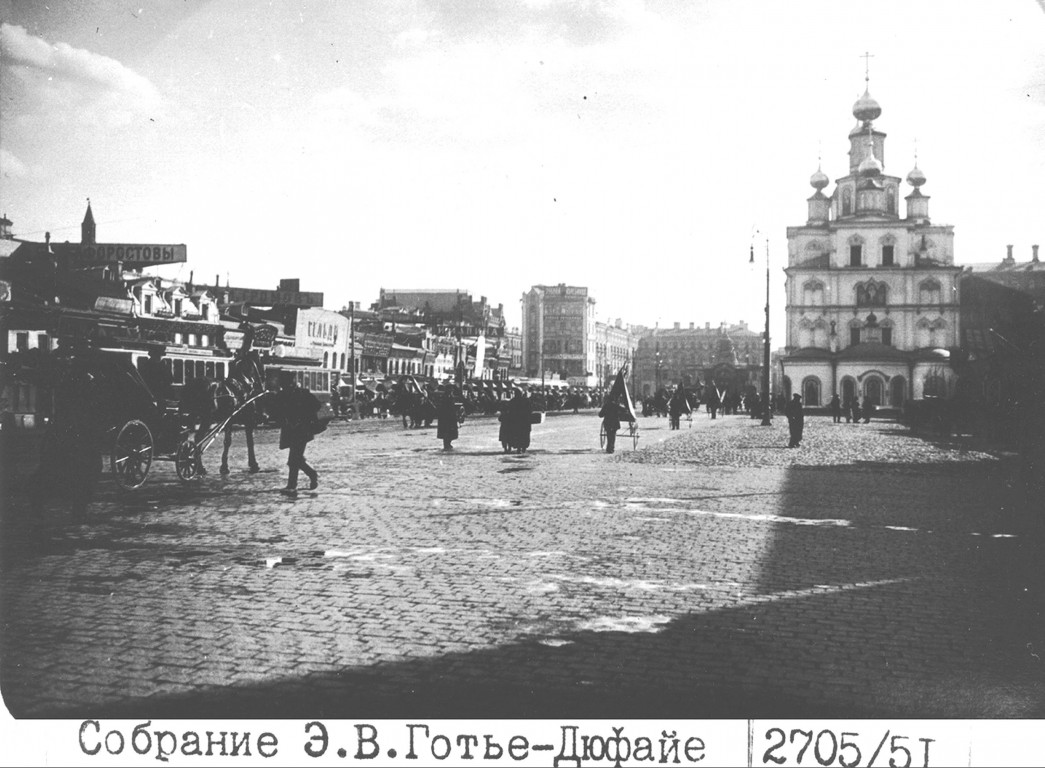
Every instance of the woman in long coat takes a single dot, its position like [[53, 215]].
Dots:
[[447, 415], [515, 423]]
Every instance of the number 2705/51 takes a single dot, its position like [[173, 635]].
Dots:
[[843, 750]]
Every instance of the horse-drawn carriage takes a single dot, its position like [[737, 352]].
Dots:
[[102, 397]]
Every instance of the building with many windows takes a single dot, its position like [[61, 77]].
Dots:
[[561, 339], [728, 355], [872, 297]]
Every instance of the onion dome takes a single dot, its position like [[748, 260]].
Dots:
[[870, 166], [866, 108], [819, 180], [916, 178]]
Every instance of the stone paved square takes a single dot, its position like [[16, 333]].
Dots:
[[710, 573]]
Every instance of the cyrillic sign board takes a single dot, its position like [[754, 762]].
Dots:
[[128, 253], [270, 298]]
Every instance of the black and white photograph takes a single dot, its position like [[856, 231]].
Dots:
[[416, 381]]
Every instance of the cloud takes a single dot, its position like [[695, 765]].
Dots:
[[63, 62], [11, 167]]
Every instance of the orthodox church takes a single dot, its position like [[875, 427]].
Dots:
[[872, 298]]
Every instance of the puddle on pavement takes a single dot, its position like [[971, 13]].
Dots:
[[630, 624]]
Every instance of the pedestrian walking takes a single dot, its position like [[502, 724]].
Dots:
[[836, 409], [855, 407], [795, 420], [610, 413], [448, 418], [295, 409]]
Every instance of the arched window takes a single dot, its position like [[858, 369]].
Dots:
[[855, 332], [813, 293], [847, 201], [934, 385], [888, 245], [929, 292], [856, 251], [871, 294], [811, 391], [848, 389], [930, 333], [887, 333], [897, 391]]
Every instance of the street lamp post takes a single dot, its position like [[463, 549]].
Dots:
[[767, 406]]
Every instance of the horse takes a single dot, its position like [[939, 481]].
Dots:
[[246, 380], [209, 401]]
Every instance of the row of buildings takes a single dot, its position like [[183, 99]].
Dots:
[[876, 308]]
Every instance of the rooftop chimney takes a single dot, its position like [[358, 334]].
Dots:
[[1034, 251], [691, 326], [676, 326], [707, 326], [1008, 257]]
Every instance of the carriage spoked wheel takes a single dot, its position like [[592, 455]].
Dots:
[[633, 433], [185, 460], [132, 455], [602, 437]]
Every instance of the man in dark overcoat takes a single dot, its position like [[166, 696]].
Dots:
[[448, 418], [795, 420], [295, 409]]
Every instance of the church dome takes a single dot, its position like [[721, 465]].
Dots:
[[916, 178], [870, 166], [819, 180], [866, 108]]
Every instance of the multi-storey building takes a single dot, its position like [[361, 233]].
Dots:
[[558, 332], [730, 356], [872, 298], [615, 345], [562, 340]]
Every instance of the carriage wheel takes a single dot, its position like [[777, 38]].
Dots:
[[634, 432], [132, 455], [602, 437], [185, 460]]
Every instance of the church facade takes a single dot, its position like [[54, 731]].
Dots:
[[872, 297]]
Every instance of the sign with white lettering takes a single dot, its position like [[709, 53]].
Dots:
[[112, 304], [128, 253], [265, 298]]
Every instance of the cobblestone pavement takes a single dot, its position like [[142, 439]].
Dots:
[[713, 572]]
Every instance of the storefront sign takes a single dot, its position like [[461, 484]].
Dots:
[[128, 253], [377, 344], [112, 304], [265, 298]]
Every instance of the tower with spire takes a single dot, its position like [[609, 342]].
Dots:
[[872, 296], [87, 234]]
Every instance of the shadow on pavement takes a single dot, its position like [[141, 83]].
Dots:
[[900, 605]]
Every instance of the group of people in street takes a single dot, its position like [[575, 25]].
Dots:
[[851, 409]]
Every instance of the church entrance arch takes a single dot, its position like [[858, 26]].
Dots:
[[873, 390], [848, 389], [811, 391]]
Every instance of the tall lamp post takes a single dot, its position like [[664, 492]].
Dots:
[[767, 406]]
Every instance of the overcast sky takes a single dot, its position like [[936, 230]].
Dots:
[[633, 147]]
